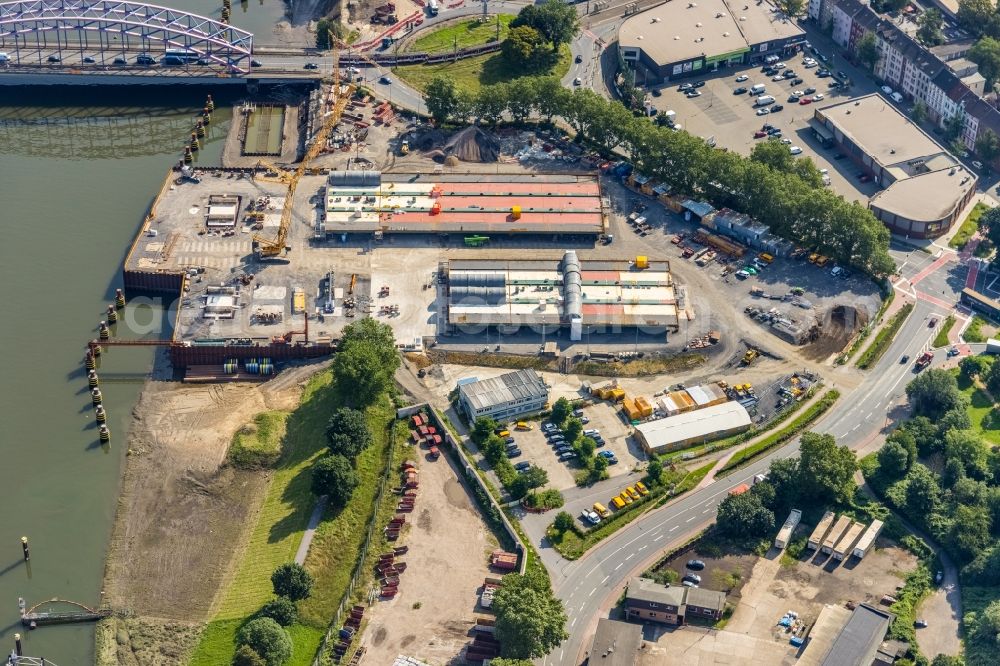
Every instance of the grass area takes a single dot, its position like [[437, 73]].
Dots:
[[974, 332], [472, 73], [571, 544], [884, 337], [969, 226], [464, 33], [814, 411], [643, 367], [258, 444], [282, 520], [941, 339], [985, 418], [975, 599]]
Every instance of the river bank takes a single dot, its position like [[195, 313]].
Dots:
[[183, 514]]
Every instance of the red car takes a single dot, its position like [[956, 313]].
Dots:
[[759, 134], [805, 100]]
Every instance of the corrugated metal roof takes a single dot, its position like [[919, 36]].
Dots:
[[519, 385], [690, 425]]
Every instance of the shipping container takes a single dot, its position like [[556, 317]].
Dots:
[[846, 543], [785, 533], [645, 409], [821, 529], [841, 526], [867, 539]]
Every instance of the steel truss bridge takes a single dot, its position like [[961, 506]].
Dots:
[[94, 33]]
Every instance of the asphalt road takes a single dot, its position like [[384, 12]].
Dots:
[[857, 420]]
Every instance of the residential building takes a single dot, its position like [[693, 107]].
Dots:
[[504, 397], [679, 39], [647, 600], [616, 643]]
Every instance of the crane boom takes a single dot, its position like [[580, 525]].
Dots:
[[266, 248]]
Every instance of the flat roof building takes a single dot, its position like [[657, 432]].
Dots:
[[579, 294], [700, 425], [678, 39], [926, 188], [503, 397], [859, 640], [371, 201], [616, 643]]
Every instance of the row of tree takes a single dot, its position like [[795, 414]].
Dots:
[[594, 467], [263, 640], [795, 207]]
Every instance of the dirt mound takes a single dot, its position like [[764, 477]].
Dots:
[[473, 145], [429, 140], [836, 329]]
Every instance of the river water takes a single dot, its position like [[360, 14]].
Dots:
[[75, 183]]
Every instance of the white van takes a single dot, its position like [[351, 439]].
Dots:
[[897, 97], [757, 89], [4, 57], [764, 100]]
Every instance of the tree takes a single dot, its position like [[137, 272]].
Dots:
[[954, 419], [557, 21], [924, 433], [909, 443], [535, 477], [441, 98], [268, 639], [988, 143], [560, 410], [744, 516], [572, 429], [347, 432], [324, 27], [523, 47], [282, 610], [942, 660], [984, 569], [335, 477], [987, 624], [966, 446], [366, 361], [493, 449], [919, 112], [791, 7], [530, 621], [975, 366], [773, 154], [500, 661], [654, 470], [986, 54], [491, 103], [826, 471], [483, 429], [990, 223], [784, 478], [975, 15], [245, 656], [293, 581], [867, 51], [923, 494], [929, 30], [585, 447], [892, 460], [933, 393], [765, 493], [952, 127], [563, 522]]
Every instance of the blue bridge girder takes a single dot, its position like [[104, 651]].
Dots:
[[109, 27]]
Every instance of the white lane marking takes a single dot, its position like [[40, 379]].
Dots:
[[619, 566], [644, 547], [605, 579], [571, 624], [561, 655], [672, 528], [659, 537], [592, 590], [855, 427], [630, 557], [689, 519], [706, 510]]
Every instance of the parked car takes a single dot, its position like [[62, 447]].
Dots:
[[694, 578], [590, 517], [120, 61], [88, 60], [759, 134], [569, 455], [684, 86], [740, 91], [521, 466], [641, 487], [689, 583], [778, 77], [920, 624], [977, 165], [697, 565], [795, 150], [606, 454], [805, 100], [693, 93], [514, 453], [509, 440], [818, 97], [548, 425], [699, 84], [563, 449], [809, 91], [777, 107], [577, 81], [632, 492], [578, 58], [763, 111], [741, 78], [655, 93], [256, 63], [796, 81]]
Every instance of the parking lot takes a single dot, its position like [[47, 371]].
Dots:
[[732, 119]]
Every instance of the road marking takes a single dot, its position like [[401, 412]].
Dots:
[[659, 537], [605, 579], [706, 510], [855, 427], [619, 566], [630, 557], [575, 619], [561, 655], [689, 519], [592, 590], [672, 528], [644, 547]]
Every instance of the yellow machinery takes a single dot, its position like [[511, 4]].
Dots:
[[273, 173], [266, 248], [749, 357]]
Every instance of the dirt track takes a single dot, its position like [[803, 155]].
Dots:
[[182, 513]]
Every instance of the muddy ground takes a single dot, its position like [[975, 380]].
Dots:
[[182, 512]]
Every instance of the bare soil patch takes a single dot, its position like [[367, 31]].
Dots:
[[836, 329], [183, 512]]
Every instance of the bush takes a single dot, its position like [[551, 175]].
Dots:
[[884, 337], [293, 581], [335, 477], [282, 610], [563, 522], [547, 499], [268, 639], [245, 656], [348, 433]]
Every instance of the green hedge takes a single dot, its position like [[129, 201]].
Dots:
[[743, 456], [941, 339], [884, 337]]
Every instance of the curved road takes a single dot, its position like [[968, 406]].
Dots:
[[590, 585]]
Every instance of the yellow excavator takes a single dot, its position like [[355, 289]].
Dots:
[[269, 248]]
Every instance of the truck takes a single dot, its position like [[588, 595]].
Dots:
[[432, 7], [671, 116], [503, 560], [740, 489], [867, 539], [923, 361], [833, 536], [822, 527], [846, 544], [490, 586], [785, 533]]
